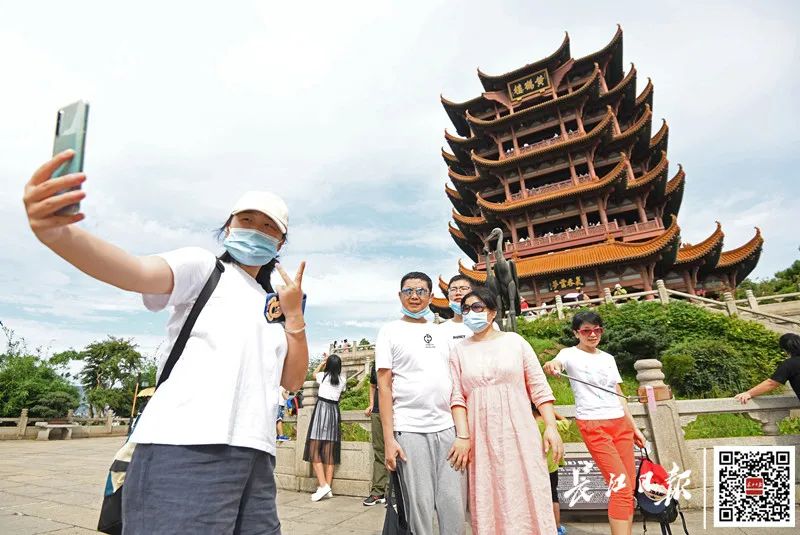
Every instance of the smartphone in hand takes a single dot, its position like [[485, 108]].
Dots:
[[71, 134]]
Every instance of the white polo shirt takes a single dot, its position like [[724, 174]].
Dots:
[[224, 386], [597, 368]]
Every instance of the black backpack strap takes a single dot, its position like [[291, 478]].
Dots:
[[683, 521], [186, 330]]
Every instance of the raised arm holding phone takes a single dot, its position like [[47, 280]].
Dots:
[[205, 455]]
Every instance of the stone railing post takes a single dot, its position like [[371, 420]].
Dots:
[[607, 296], [665, 423], [751, 300], [769, 420], [22, 424], [559, 307], [663, 296], [302, 469], [730, 304], [109, 427]]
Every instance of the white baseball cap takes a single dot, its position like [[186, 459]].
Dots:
[[267, 203]]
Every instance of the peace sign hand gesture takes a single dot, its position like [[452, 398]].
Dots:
[[291, 294]]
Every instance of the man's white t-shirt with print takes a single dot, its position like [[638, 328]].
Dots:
[[597, 368], [224, 386], [327, 390], [417, 354]]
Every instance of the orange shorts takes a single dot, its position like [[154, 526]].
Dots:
[[610, 442]]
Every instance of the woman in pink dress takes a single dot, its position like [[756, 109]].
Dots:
[[496, 376]]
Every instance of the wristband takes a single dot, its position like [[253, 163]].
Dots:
[[295, 331], [463, 438]]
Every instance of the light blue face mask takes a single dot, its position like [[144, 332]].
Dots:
[[477, 321], [417, 315], [251, 247], [455, 307]]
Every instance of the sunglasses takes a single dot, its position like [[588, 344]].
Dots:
[[474, 307], [420, 292], [588, 332]]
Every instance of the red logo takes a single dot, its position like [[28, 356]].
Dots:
[[754, 486]]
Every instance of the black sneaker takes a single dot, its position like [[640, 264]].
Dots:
[[372, 500]]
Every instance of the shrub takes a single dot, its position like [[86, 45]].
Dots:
[[355, 396], [705, 368]]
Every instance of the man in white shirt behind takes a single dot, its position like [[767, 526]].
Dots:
[[414, 385], [454, 329]]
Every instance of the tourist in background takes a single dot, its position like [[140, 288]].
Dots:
[[605, 423], [377, 493], [214, 455], [505, 456], [284, 396], [324, 440], [414, 387], [454, 328], [788, 370]]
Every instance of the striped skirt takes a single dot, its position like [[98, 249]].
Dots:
[[324, 441]]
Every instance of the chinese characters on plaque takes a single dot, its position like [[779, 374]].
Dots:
[[533, 83], [565, 282]]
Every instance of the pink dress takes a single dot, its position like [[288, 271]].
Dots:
[[509, 486]]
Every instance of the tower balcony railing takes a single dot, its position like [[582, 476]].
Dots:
[[557, 138], [578, 237], [556, 186]]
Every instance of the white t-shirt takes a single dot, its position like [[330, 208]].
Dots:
[[456, 332], [417, 354], [327, 390], [224, 386], [596, 368]]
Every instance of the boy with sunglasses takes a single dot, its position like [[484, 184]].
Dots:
[[605, 423], [414, 386]]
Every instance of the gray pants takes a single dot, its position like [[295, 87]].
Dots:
[[430, 484], [208, 489]]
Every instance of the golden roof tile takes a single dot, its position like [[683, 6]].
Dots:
[[452, 193], [472, 221], [645, 94], [455, 232], [636, 127], [735, 256], [656, 139], [585, 257], [691, 253], [676, 181], [652, 174]]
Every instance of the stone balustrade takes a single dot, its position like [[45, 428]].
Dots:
[[25, 428]]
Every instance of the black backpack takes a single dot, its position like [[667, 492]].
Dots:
[[655, 507]]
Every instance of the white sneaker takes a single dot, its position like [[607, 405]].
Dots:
[[322, 492]]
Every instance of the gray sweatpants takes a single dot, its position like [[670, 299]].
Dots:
[[205, 490], [430, 484]]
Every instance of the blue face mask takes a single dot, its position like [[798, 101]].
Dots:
[[455, 307], [251, 247], [476, 321], [417, 315]]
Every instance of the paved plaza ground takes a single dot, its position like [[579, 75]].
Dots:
[[55, 487]]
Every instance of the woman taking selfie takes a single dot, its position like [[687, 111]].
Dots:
[[496, 377], [205, 451]]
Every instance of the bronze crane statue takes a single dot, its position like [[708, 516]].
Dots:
[[501, 279]]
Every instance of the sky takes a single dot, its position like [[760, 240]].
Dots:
[[335, 107]]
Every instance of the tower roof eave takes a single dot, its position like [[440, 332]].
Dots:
[[692, 253], [596, 132], [740, 254], [617, 174], [656, 173], [591, 87], [497, 82], [588, 256]]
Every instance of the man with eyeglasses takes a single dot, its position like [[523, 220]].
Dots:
[[414, 386], [454, 328]]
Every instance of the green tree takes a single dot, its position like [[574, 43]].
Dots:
[[27, 382], [110, 371], [783, 282]]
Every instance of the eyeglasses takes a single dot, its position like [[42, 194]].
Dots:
[[588, 332], [462, 289], [474, 307], [420, 292]]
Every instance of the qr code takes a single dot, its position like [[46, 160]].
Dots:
[[754, 486]]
